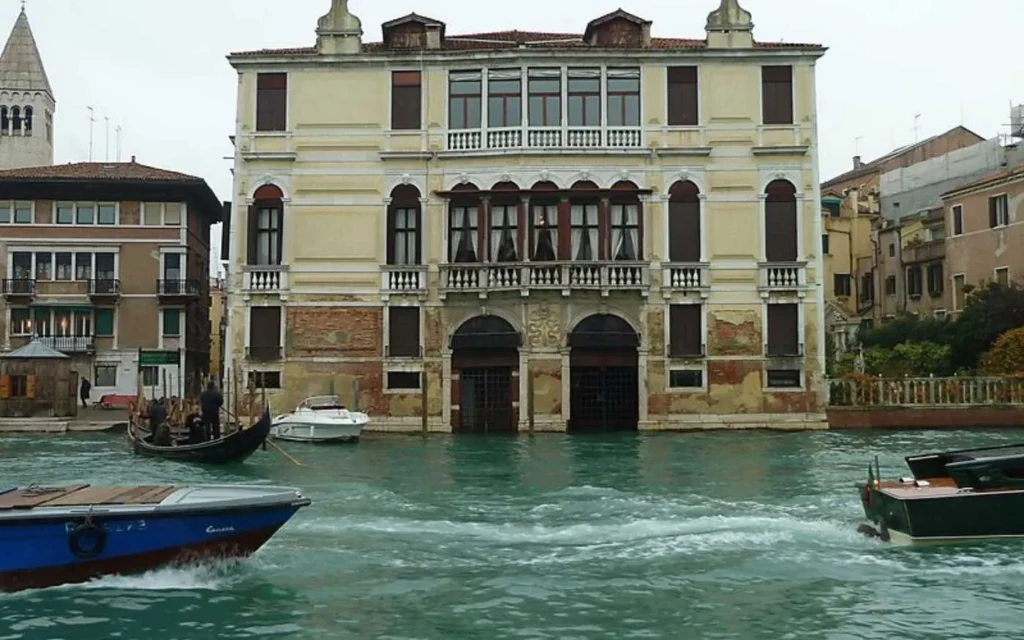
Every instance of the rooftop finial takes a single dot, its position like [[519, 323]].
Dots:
[[730, 16], [339, 31]]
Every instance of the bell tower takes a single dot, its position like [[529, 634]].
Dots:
[[27, 104]]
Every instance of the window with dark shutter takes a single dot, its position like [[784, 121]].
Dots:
[[271, 102], [842, 285], [783, 330], [405, 100], [265, 333], [914, 281], [684, 223], [777, 95], [958, 220], [780, 222], [265, 228], [683, 107], [824, 244], [403, 332], [685, 331]]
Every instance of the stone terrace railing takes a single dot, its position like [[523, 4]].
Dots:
[[925, 392]]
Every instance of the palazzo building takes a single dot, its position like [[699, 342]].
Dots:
[[548, 231]]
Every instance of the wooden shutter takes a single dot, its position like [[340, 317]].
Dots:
[[684, 231], [30, 387], [685, 330], [683, 109], [777, 95], [391, 233], [250, 251], [5, 387], [271, 102], [265, 328], [225, 232], [992, 218], [780, 230], [405, 100], [783, 330], [404, 332]]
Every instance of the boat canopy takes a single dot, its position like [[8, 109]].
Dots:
[[322, 402]]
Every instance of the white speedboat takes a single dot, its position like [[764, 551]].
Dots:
[[319, 419]]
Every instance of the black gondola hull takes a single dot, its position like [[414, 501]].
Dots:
[[235, 447]]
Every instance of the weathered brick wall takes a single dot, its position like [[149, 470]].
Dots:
[[334, 331], [925, 418]]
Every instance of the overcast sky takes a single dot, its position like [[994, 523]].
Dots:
[[158, 69]]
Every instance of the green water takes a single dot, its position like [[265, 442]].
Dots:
[[721, 535]]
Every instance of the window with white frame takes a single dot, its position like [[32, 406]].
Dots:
[[958, 220], [105, 375], [998, 211], [159, 214], [85, 213], [16, 212], [64, 266]]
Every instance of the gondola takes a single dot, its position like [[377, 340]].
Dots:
[[234, 447]]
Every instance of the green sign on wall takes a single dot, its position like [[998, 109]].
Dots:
[[156, 358]]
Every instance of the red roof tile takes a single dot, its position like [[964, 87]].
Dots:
[[98, 171]]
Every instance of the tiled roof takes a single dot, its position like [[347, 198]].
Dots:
[[498, 40], [991, 178], [98, 171]]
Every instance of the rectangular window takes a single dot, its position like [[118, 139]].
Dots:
[[22, 265], [783, 378], [65, 213], [544, 246], [686, 338], [504, 98], [890, 285], [400, 380], [780, 230], [683, 109], [892, 250], [105, 375], [19, 386], [172, 214], [21, 322], [464, 100], [685, 379], [83, 324], [172, 266], [265, 332], [1003, 276], [959, 296], [545, 95], [64, 268], [403, 332], [777, 94], [152, 214], [958, 220], [504, 233], [23, 213], [463, 234], [914, 281], [623, 97], [271, 102], [62, 325], [6, 209], [783, 330], [42, 321], [107, 214], [85, 213], [405, 100], [105, 267], [172, 323], [104, 323], [867, 287], [268, 235], [684, 231], [584, 236], [150, 376], [935, 279], [824, 244], [83, 266], [625, 228], [44, 266], [998, 211], [584, 97], [842, 283], [405, 242], [265, 379]]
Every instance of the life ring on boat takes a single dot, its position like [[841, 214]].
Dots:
[[87, 540]]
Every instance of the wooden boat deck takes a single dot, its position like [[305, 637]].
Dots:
[[82, 495]]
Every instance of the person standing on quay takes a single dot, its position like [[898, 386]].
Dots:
[[84, 392], [210, 403]]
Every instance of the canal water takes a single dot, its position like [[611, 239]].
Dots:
[[717, 535]]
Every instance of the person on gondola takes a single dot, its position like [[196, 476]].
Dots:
[[196, 430], [210, 402], [158, 424]]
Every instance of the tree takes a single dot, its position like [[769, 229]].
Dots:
[[989, 312], [1006, 357]]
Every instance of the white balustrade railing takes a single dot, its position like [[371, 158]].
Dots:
[[404, 278], [546, 138], [267, 279], [966, 391], [606, 276], [682, 276], [784, 276]]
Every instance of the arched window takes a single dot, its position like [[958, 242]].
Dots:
[[5, 122], [584, 223], [465, 232], [780, 222], [684, 222], [15, 120], [504, 226], [266, 226], [28, 121], [625, 240], [544, 221], [404, 226]]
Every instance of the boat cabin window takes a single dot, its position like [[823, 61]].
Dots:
[[319, 403]]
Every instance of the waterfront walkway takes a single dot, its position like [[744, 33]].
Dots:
[[88, 420]]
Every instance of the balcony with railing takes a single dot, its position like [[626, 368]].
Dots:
[[104, 289], [783, 276], [269, 279], [19, 289], [545, 138], [682, 277], [403, 279], [178, 291], [70, 344], [485, 278]]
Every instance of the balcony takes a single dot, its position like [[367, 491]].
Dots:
[[270, 279], [782, 277], [566, 277], [685, 277], [19, 289], [545, 139], [70, 344], [104, 290], [264, 353], [403, 279], [178, 291], [924, 251]]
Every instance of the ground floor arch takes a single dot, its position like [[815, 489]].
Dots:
[[485, 376], [604, 375]]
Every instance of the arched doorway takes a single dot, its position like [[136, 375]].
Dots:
[[604, 378], [485, 382]]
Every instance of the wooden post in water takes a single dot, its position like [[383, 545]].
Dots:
[[529, 399], [238, 420], [424, 401], [355, 394]]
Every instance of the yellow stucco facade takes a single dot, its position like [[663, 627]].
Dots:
[[330, 176]]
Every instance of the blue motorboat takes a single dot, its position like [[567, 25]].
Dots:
[[62, 535]]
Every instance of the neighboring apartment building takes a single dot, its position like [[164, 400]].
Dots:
[[108, 263], [27, 103], [985, 221], [563, 231], [846, 240]]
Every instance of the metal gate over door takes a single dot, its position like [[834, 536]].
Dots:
[[603, 398], [485, 400]]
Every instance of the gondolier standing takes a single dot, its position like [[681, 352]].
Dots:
[[84, 392], [210, 403]]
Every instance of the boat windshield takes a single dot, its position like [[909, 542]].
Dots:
[[318, 403]]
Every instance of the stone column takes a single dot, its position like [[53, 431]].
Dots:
[[446, 388], [524, 387], [566, 387]]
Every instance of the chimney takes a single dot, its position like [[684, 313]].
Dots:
[[133, 159], [857, 164], [434, 36]]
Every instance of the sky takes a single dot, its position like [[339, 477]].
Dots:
[[158, 69]]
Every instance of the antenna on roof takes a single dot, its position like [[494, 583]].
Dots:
[[92, 120], [106, 136], [916, 117]]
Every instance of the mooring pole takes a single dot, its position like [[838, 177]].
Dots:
[[529, 399], [355, 394], [424, 401]]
